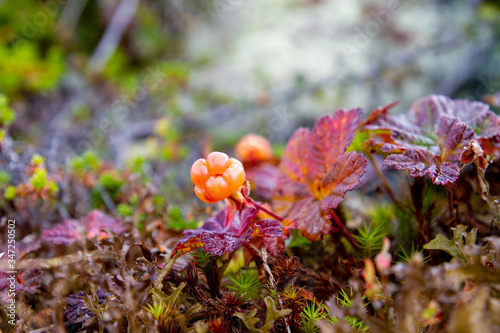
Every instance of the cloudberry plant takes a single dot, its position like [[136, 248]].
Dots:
[[253, 148], [216, 177]]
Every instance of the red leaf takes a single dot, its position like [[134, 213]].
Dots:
[[316, 172], [328, 141], [64, 233], [268, 228], [344, 175], [214, 238], [231, 210], [96, 221], [294, 156], [68, 232]]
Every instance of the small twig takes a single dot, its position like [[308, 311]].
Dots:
[[70, 15], [109, 42], [106, 198], [43, 329]]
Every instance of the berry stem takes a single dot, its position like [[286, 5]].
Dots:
[[268, 212]]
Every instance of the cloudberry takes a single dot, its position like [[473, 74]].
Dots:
[[216, 177], [253, 148]]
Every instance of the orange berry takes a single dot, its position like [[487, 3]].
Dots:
[[199, 173], [234, 176], [253, 148], [217, 162], [217, 188], [217, 177], [202, 195]]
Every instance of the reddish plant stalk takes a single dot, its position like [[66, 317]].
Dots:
[[268, 212], [343, 229]]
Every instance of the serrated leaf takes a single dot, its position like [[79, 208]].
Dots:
[[64, 233], [217, 240], [317, 172], [454, 246], [437, 125], [439, 161], [420, 162], [294, 156], [328, 141], [453, 136], [96, 221], [68, 232]]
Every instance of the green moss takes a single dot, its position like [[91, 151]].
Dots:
[[10, 193], [39, 179], [125, 210], [37, 160], [7, 115], [4, 178], [53, 188]]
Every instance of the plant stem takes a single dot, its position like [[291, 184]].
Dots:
[[416, 190], [449, 196], [343, 229], [384, 180], [268, 212]]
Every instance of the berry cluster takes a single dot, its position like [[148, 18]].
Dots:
[[216, 177]]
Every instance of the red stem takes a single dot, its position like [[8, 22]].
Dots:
[[344, 231], [449, 196], [268, 212]]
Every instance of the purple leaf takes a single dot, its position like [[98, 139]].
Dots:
[[214, 238], [97, 221], [453, 136], [68, 232], [31, 279], [76, 311], [64, 233], [420, 162], [441, 128]]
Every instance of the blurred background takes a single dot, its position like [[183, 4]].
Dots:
[[141, 80]]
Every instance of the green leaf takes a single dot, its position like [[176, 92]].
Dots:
[[272, 315], [454, 246]]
